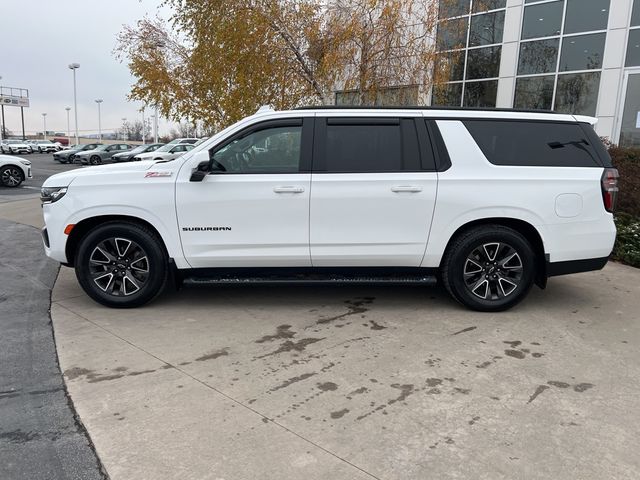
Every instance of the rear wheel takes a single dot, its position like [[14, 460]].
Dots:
[[489, 268], [122, 265], [11, 176], [95, 160]]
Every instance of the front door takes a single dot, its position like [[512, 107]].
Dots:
[[630, 121], [372, 198], [252, 210]]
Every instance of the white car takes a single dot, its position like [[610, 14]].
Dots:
[[14, 171], [44, 146], [488, 201], [16, 146], [166, 152]]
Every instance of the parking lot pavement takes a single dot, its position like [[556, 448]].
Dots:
[[359, 382], [40, 437], [43, 166]]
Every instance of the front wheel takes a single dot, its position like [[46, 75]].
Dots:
[[489, 268], [122, 265], [95, 160], [11, 176]]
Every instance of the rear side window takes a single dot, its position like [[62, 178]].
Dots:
[[354, 145], [534, 144]]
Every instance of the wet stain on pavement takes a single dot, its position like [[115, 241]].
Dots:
[[18, 436], [376, 326], [582, 387], [357, 391], [538, 391], [213, 355], [464, 330], [515, 354], [555, 383], [339, 413], [327, 386], [290, 346], [75, 372], [292, 380], [282, 332], [139, 372], [356, 306]]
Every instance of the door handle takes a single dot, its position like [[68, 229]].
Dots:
[[288, 189], [406, 188]]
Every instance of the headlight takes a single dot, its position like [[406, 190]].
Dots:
[[25, 162], [52, 194]]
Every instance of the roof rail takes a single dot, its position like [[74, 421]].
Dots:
[[264, 108], [422, 107]]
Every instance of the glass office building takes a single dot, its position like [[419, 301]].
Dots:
[[571, 56]]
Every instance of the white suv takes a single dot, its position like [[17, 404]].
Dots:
[[490, 202]]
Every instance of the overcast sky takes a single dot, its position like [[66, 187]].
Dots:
[[40, 38]]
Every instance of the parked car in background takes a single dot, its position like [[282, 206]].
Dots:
[[3, 146], [183, 140], [17, 146], [14, 171], [128, 156], [166, 152], [44, 146], [101, 154], [68, 156]]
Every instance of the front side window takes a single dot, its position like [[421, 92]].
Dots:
[[271, 150], [534, 144]]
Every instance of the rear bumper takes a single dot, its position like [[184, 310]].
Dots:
[[575, 266]]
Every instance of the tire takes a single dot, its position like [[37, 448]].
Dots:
[[489, 268], [108, 278], [11, 176], [95, 160]]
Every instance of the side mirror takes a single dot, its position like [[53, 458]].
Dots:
[[203, 168]]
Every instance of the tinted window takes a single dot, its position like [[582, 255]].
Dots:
[[452, 34], [635, 15], [542, 20], [583, 52], [354, 145], [633, 48], [537, 144], [538, 57], [272, 150], [534, 92], [486, 29], [586, 15]]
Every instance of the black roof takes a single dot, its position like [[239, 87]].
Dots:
[[425, 107]]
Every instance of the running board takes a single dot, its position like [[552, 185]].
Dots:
[[311, 279]]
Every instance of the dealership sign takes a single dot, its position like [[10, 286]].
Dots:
[[14, 97]]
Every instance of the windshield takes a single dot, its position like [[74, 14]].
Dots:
[[139, 149], [43, 141], [14, 142]]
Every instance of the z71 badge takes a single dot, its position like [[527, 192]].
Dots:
[[157, 174]]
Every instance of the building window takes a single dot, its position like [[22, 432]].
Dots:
[[577, 93], [633, 49], [534, 92], [540, 56], [582, 52], [544, 20], [469, 42], [635, 15], [486, 29], [586, 15], [559, 65], [481, 94]]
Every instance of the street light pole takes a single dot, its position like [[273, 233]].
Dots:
[[155, 126], [74, 67], [99, 101], [124, 129], [68, 129], [44, 122], [2, 124], [144, 127]]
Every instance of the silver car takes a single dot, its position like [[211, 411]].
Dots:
[[101, 154]]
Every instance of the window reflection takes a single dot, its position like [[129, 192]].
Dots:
[[583, 52], [483, 62], [586, 15], [486, 29], [542, 20], [538, 57], [577, 93], [447, 95], [534, 92], [481, 94]]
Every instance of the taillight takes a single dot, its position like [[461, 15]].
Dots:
[[610, 188]]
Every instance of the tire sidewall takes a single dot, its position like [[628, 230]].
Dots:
[[9, 167], [456, 269], [149, 243]]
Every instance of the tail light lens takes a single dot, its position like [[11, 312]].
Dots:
[[610, 188]]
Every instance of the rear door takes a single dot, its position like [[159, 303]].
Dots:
[[373, 191]]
